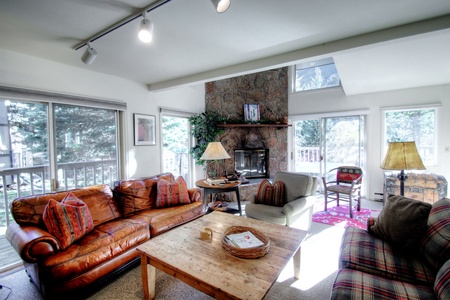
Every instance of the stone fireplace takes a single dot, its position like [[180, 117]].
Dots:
[[268, 89]]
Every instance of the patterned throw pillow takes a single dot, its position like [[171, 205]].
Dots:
[[271, 194], [172, 193], [68, 220]]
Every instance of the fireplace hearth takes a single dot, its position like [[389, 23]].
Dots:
[[252, 163]]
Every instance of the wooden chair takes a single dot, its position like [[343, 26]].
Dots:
[[346, 187]]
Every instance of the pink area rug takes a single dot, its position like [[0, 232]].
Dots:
[[340, 216]]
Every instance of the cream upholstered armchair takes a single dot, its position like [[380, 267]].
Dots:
[[300, 190]]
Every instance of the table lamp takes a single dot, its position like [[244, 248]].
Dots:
[[402, 156], [215, 153]]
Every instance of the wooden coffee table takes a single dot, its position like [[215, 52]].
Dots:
[[209, 268]]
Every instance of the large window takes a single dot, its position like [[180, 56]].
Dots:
[[316, 75], [413, 124], [176, 143]]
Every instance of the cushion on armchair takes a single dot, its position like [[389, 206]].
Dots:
[[296, 184], [271, 194], [402, 222], [69, 220]]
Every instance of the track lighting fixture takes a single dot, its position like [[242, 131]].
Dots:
[[89, 54], [221, 5], [146, 30]]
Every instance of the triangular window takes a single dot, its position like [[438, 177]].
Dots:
[[316, 75]]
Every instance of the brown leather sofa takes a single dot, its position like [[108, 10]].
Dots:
[[124, 218]]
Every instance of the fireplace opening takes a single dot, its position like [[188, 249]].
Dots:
[[252, 163]]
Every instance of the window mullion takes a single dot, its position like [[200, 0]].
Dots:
[[52, 146]]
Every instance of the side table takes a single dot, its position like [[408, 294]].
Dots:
[[219, 188]]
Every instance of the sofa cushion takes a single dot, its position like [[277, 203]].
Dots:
[[134, 195], [69, 220], [402, 222], [436, 240], [354, 284], [163, 219], [105, 242], [99, 198], [442, 283], [367, 253], [172, 193], [271, 194]]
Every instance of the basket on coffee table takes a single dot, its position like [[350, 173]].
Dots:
[[254, 252]]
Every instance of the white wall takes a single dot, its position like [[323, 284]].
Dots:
[[334, 100], [22, 71]]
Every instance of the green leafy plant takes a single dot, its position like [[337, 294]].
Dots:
[[204, 130]]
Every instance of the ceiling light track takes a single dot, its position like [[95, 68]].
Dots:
[[120, 23], [145, 31]]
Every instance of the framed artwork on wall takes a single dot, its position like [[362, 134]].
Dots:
[[144, 130], [251, 112]]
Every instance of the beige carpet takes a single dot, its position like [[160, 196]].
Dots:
[[319, 263]]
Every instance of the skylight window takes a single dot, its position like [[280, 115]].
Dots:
[[316, 75]]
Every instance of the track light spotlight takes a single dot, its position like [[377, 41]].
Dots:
[[89, 55], [146, 30], [221, 5]]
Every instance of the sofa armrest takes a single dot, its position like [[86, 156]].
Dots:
[[299, 205], [31, 243], [195, 194]]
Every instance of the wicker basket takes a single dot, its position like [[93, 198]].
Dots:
[[218, 205], [254, 252]]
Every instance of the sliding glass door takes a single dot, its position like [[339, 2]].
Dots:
[[343, 142], [324, 143]]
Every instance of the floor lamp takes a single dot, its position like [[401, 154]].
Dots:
[[215, 154], [402, 156]]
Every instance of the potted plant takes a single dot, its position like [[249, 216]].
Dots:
[[204, 130]]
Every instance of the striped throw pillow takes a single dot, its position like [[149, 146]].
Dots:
[[271, 194], [172, 193], [68, 220]]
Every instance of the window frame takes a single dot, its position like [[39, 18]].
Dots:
[[168, 112], [384, 142], [313, 64]]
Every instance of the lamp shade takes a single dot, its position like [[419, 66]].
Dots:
[[215, 151], [402, 156]]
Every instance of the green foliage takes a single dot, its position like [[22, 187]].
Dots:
[[82, 133], [204, 130], [175, 132], [307, 133], [413, 125]]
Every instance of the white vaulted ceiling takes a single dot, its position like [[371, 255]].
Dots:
[[376, 45]]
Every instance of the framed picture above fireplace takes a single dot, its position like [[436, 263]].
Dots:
[[251, 112]]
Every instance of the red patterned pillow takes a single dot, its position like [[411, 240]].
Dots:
[[172, 193], [271, 194], [68, 220]]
